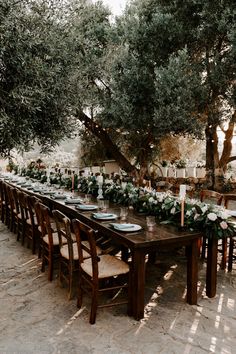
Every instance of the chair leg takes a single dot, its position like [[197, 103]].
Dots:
[[50, 266], [43, 260], [94, 305], [80, 293], [203, 254], [70, 295], [224, 253], [231, 251]]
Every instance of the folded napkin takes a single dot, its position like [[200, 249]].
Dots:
[[123, 226], [73, 201], [102, 215], [58, 196]]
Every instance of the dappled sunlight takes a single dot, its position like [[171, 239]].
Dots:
[[201, 315], [153, 301], [170, 272], [71, 321]]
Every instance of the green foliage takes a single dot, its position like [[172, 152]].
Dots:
[[164, 67], [33, 101]]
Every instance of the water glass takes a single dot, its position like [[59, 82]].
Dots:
[[87, 198], [105, 205], [124, 213], [151, 222]]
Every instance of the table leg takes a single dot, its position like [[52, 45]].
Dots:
[[224, 253], [192, 252], [211, 273], [136, 306]]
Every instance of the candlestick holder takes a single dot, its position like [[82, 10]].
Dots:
[[100, 191]]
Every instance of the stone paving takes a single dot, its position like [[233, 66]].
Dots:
[[36, 317]]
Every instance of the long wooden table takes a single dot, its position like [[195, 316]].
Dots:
[[140, 244]]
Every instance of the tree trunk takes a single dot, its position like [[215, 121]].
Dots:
[[216, 167], [102, 134], [212, 155], [227, 147]]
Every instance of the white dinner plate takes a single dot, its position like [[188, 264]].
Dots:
[[127, 227], [104, 216], [86, 207]]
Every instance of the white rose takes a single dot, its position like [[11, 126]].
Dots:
[[224, 215], [172, 210], [188, 212], [151, 200], [212, 216], [204, 209], [223, 225]]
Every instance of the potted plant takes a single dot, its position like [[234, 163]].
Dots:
[[180, 168], [164, 168], [191, 170], [200, 170]]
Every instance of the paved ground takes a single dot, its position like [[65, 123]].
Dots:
[[36, 317]]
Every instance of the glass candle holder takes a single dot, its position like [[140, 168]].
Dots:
[[124, 213], [151, 222]]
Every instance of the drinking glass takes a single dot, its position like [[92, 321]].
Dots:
[[101, 204], [151, 222], [105, 205], [124, 213], [87, 198]]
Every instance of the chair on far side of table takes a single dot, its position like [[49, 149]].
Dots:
[[230, 203], [209, 197]]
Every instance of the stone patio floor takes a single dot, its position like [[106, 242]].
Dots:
[[36, 317]]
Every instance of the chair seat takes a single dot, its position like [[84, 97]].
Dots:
[[65, 251], [55, 239], [53, 227], [108, 266], [30, 223]]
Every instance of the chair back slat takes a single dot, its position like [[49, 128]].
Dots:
[[209, 196], [88, 247]]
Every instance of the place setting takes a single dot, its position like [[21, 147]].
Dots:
[[125, 226]]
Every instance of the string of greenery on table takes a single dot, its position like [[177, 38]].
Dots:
[[213, 220]]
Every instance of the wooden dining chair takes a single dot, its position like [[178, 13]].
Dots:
[[99, 272], [210, 197], [229, 203], [32, 221], [28, 231], [69, 259], [49, 241], [11, 209], [5, 205], [19, 221]]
